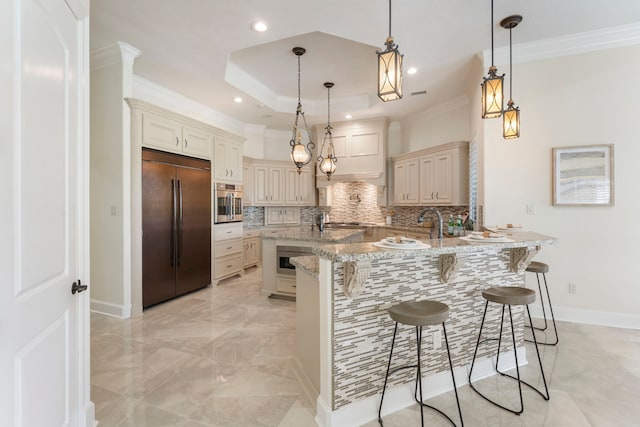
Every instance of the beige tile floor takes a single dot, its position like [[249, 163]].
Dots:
[[223, 357]]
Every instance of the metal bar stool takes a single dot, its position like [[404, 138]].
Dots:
[[419, 314], [542, 268], [508, 296]]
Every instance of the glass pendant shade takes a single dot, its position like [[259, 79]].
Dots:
[[328, 167], [492, 94], [390, 72], [511, 122], [300, 154]]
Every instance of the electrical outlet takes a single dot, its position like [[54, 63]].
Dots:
[[437, 339], [531, 209], [572, 288]]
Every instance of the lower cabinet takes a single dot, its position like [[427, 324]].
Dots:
[[227, 251], [286, 285], [251, 249]]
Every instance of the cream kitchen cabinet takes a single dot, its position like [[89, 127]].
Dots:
[[443, 176], [282, 215], [227, 160], [268, 185], [405, 186], [227, 251], [247, 182], [251, 248], [299, 188], [277, 183], [172, 135]]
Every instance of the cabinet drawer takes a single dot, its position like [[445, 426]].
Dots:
[[227, 231], [286, 284], [228, 247], [252, 233], [228, 265]]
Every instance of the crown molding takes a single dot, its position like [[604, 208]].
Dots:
[[116, 53], [572, 44]]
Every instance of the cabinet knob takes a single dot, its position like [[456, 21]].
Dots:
[[436, 195]]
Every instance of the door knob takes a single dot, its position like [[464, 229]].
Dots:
[[78, 287]]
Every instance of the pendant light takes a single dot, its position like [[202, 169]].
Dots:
[[390, 69], [327, 165], [492, 95], [511, 116], [300, 154]]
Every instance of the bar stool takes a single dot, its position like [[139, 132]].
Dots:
[[419, 314], [542, 268], [508, 296]]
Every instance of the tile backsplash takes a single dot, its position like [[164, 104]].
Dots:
[[357, 202]]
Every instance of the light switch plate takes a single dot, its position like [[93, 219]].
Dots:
[[531, 209]]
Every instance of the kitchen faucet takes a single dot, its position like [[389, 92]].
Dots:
[[421, 220]]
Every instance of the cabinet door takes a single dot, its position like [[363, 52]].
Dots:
[[245, 252], [427, 184], [197, 142], [306, 189], [276, 186], [161, 133], [261, 190], [406, 182], [291, 216], [247, 182], [273, 216], [292, 187], [443, 177], [228, 160]]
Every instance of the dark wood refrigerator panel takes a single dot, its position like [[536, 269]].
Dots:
[[194, 250], [158, 263], [176, 225]]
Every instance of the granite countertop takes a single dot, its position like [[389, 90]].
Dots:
[[308, 235], [308, 264], [367, 251]]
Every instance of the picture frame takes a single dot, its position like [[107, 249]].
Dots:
[[583, 175]]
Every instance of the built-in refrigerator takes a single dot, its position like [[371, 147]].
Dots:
[[176, 225]]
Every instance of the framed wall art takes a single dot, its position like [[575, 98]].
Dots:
[[583, 176]]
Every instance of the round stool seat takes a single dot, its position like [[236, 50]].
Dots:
[[538, 267], [511, 295], [419, 313]]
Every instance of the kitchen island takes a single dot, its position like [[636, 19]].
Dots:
[[345, 294], [278, 275]]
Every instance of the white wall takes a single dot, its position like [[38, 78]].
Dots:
[[436, 126], [276, 144], [583, 99]]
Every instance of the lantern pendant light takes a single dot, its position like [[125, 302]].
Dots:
[[300, 154], [390, 69], [327, 165], [492, 95], [511, 116]]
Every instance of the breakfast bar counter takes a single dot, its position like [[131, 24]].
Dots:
[[346, 309]]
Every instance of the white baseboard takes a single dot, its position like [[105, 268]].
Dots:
[[90, 415], [589, 317], [110, 309], [397, 398]]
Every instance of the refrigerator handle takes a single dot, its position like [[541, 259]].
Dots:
[[173, 223], [180, 228]]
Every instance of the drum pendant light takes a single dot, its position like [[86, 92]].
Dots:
[[300, 154], [492, 95], [390, 69], [327, 165], [511, 116]]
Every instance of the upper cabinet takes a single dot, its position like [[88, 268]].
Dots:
[[228, 160], [166, 134], [361, 149], [405, 186], [440, 178], [277, 183]]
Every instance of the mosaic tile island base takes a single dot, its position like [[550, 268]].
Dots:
[[342, 300]]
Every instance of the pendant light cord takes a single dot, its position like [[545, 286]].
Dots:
[[492, 63], [510, 67], [299, 105], [329, 109], [390, 18]]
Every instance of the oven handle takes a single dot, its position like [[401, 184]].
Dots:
[[233, 206]]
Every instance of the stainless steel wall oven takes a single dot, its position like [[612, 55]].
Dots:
[[227, 201]]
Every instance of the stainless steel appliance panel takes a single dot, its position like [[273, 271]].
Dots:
[[283, 255], [228, 203]]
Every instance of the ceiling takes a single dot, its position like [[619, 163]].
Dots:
[[207, 51]]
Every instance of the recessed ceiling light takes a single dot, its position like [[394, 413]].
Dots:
[[237, 99], [259, 26], [348, 116], [412, 70]]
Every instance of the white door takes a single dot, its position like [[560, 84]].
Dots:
[[43, 331]]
